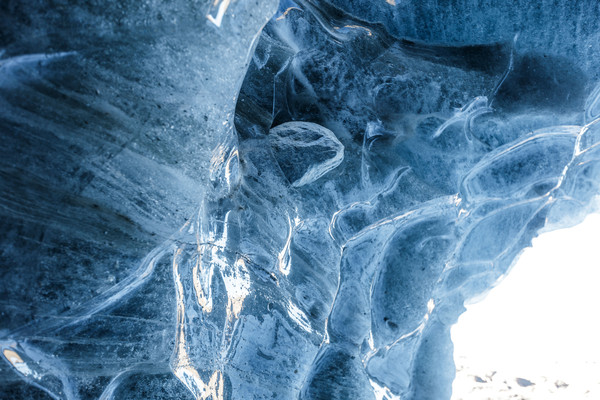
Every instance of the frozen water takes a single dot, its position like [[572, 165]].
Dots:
[[305, 151], [240, 200]]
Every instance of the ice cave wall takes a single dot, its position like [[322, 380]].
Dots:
[[194, 206]]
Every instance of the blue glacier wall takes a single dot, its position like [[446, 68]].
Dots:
[[249, 200]]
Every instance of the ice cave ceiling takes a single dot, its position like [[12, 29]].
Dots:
[[252, 200]]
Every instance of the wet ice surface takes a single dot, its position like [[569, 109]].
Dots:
[[197, 207]]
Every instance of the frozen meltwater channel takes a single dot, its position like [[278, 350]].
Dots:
[[536, 334]]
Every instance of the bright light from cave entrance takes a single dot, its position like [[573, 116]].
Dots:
[[537, 334]]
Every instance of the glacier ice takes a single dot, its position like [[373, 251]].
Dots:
[[250, 200]]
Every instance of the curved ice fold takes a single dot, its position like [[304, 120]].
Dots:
[[305, 151], [198, 205], [592, 106], [529, 167]]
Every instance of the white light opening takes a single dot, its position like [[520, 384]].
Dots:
[[537, 335]]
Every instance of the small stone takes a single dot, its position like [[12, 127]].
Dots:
[[561, 385], [524, 382]]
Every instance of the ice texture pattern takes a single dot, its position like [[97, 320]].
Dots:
[[242, 199]]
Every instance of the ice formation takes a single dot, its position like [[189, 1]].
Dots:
[[252, 200]]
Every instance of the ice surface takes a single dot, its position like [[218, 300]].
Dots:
[[305, 151], [246, 200]]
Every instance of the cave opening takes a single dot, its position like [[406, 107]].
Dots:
[[535, 334]]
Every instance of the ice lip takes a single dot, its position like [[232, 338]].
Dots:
[[305, 151]]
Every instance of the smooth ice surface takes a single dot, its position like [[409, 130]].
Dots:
[[246, 200]]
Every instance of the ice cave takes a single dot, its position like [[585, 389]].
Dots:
[[253, 199]]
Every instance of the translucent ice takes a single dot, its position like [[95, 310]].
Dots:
[[235, 200], [305, 151]]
